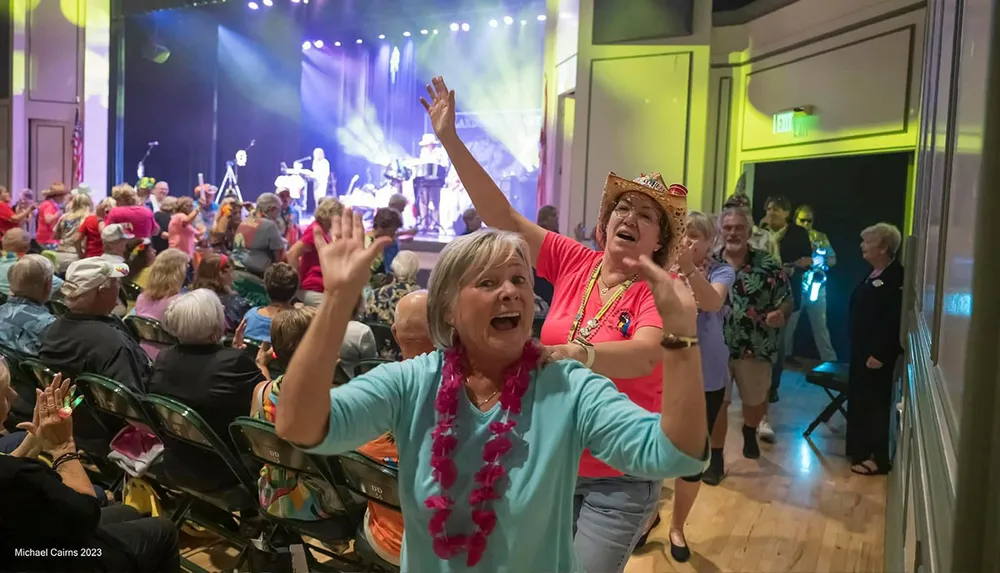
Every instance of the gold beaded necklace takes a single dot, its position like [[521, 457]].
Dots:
[[591, 327]]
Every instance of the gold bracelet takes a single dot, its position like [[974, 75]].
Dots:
[[676, 342]]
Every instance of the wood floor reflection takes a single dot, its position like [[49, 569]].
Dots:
[[797, 508]]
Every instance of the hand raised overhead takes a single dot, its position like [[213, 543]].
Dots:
[[441, 107], [345, 261]]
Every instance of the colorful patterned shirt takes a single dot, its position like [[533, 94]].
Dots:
[[380, 304], [761, 287], [22, 322]]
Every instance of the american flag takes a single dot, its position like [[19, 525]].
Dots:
[[77, 149]]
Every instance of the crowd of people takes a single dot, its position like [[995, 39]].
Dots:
[[514, 453]]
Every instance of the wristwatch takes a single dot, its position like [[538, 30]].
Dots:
[[676, 342], [589, 348]]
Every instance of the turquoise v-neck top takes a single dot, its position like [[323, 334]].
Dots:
[[566, 409]]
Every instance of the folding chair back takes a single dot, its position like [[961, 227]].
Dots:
[[366, 365], [150, 330], [369, 479], [130, 291], [57, 307], [258, 439], [41, 373], [385, 342], [112, 397]]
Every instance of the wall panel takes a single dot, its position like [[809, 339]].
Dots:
[[51, 152], [54, 41]]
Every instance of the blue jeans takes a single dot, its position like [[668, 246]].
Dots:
[[609, 517]]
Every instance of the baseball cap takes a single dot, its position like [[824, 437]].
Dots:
[[116, 232], [86, 275]]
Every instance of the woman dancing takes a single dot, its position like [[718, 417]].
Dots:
[[489, 437], [600, 315]]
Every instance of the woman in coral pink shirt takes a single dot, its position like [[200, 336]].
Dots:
[[183, 232], [303, 257], [601, 315], [128, 211], [48, 215]]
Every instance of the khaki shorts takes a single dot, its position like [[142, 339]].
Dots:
[[753, 378]]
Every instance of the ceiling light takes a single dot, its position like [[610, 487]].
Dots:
[[337, 43], [434, 31], [318, 43], [524, 22], [306, 45], [268, 3], [423, 32], [540, 17], [494, 23], [508, 20], [454, 27], [406, 34], [252, 6], [465, 26], [295, 1], [359, 41], [381, 36]]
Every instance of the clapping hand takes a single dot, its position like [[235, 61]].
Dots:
[[441, 107], [674, 299], [345, 261], [47, 423]]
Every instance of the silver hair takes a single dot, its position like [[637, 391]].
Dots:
[[704, 224], [405, 266], [196, 317], [266, 202], [887, 234], [31, 277], [464, 260]]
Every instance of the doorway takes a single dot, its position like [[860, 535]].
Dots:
[[564, 154], [847, 195]]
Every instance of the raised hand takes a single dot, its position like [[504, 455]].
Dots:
[[345, 261], [674, 299], [48, 424], [441, 107]]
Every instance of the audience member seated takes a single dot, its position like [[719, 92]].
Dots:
[[385, 223], [66, 230], [228, 219], [258, 243], [24, 316], [88, 236], [215, 273], [302, 255], [281, 282], [216, 381], [184, 230], [383, 526], [284, 493], [162, 218], [381, 304], [50, 515], [359, 341], [129, 211], [114, 240], [166, 279], [16, 243]]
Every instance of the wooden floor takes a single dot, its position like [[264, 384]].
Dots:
[[797, 508]]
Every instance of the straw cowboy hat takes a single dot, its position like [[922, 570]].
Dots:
[[672, 199], [55, 190]]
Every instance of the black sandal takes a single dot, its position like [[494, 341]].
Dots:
[[680, 553], [868, 468]]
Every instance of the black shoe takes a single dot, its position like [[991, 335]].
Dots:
[[645, 536], [751, 450], [716, 471], [772, 396], [680, 553]]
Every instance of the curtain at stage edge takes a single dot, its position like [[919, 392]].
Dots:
[[541, 198]]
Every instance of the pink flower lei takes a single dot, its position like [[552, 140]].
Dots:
[[515, 384]]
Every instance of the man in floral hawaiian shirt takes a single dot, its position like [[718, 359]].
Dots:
[[760, 302]]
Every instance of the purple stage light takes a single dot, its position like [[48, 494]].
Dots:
[[359, 41], [337, 43], [318, 43], [252, 5], [465, 26], [306, 45], [454, 27], [267, 3]]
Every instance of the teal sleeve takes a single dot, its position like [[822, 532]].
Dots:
[[367, 407], [625, 436]]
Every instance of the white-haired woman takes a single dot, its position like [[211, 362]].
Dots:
[[214, 380], [24, 316], [601, 315], [258, 242], [875, 313], [489, 437], [380, 305]]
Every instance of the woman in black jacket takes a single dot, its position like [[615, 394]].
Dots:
[[876, 306]]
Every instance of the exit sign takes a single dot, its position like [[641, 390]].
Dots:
[[783, 122]]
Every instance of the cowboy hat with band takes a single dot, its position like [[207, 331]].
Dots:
[[672, 201]]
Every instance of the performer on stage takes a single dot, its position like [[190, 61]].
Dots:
[[321, 175], [432, 169]]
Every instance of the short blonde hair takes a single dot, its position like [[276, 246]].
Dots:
[[288, 329], [124, 195], [887, 234], [104, 206], [196, 317], [405, 266], [328, 208], [166, 274], [168, 204], [704, 224], [30, 276], [464, 260]]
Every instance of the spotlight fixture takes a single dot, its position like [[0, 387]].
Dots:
[[524, 22], [359, 41], [381, 36], [252, 5], [268, 3], [465, 26], [318, 43], [508, 20], [540, 17], [295, 1], [406, 34], [423, 32], [494, 23], [434, 31], [306, 45], [454, 27], [305, 1], [337, 43]]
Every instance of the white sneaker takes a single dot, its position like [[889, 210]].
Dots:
[[765, 431]]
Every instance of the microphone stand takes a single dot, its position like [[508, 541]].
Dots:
[[141, 169]]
